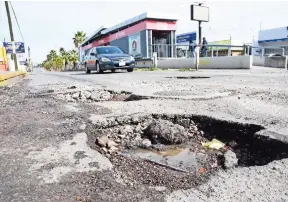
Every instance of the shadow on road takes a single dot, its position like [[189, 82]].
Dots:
[[83, 73]]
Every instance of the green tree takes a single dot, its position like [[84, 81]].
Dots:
[[52, 55], [79, 38], [64, 55], [73, 57]]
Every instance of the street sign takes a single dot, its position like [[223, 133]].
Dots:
[[186, 37], [19, 47], [200, 13]]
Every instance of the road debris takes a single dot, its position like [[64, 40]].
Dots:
[[230, 160], [214, 144]]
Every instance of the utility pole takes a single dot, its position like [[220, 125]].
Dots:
[[11, 35], [200, 27]]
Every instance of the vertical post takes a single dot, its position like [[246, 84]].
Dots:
[[29, 57], [212, 53], [11, 35], [172, 44], [200, 28], [155, 59], [197, 57], [29, 65], [200, 31], [147, 44], [286, 61], [217, 51]]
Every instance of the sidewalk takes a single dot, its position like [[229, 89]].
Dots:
[[5, 75]]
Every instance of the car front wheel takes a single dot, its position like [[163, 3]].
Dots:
[[99, 71], [130, 70], [88, 71]]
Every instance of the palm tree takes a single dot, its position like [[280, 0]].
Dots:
[[53, 54], [64, 55], [73, 57], [62, 51], [79, 38]]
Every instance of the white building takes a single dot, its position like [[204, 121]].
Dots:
[[273, 37], [277, 37]]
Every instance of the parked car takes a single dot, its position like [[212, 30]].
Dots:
[[105, 58]]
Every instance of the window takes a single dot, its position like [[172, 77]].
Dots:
[[108, 50]]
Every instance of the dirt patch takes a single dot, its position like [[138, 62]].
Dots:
[[132, 171]]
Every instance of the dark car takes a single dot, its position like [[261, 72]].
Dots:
[[105, 58]]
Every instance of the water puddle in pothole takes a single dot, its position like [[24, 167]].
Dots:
[[183, 158]]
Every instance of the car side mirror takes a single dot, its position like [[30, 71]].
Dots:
[[92, 54]]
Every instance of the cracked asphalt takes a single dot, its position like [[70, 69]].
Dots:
[[44, 155]]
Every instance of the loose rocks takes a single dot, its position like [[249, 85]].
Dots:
[[75, 95], [230, 160], [166, 132], [100, 95], [124, 130], [146, 143], [102, 141]]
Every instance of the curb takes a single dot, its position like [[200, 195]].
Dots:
[[10, 75]]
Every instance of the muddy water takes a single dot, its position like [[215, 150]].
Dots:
[[182, 158]]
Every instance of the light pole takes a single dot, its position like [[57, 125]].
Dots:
[[200, 27], [11, 35]]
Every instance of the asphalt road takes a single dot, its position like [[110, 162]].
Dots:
[[44, 154], [256, 96]]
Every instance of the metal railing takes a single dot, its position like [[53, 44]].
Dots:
[[185, 51]]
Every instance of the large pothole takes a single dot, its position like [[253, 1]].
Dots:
[[146, 148], [78, 94]]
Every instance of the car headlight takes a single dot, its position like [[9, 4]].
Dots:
[[103, 59], [132, 58]]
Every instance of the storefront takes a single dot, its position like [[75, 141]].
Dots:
[[136, 36]]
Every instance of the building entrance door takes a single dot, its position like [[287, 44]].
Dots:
[[161, 43]]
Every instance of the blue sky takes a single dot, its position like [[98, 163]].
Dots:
[[51, 25]]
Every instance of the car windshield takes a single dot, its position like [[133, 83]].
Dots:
[[109, 50]]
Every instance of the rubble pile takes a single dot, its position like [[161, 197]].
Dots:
[[147, 132], [93, 96]]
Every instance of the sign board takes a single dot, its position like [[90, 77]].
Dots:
[[21, 58], [135, 45], [19, 47], [187, 37], [200, 13], [221, 42]]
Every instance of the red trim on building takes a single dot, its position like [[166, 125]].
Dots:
[[147, 24], [161, 25]]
